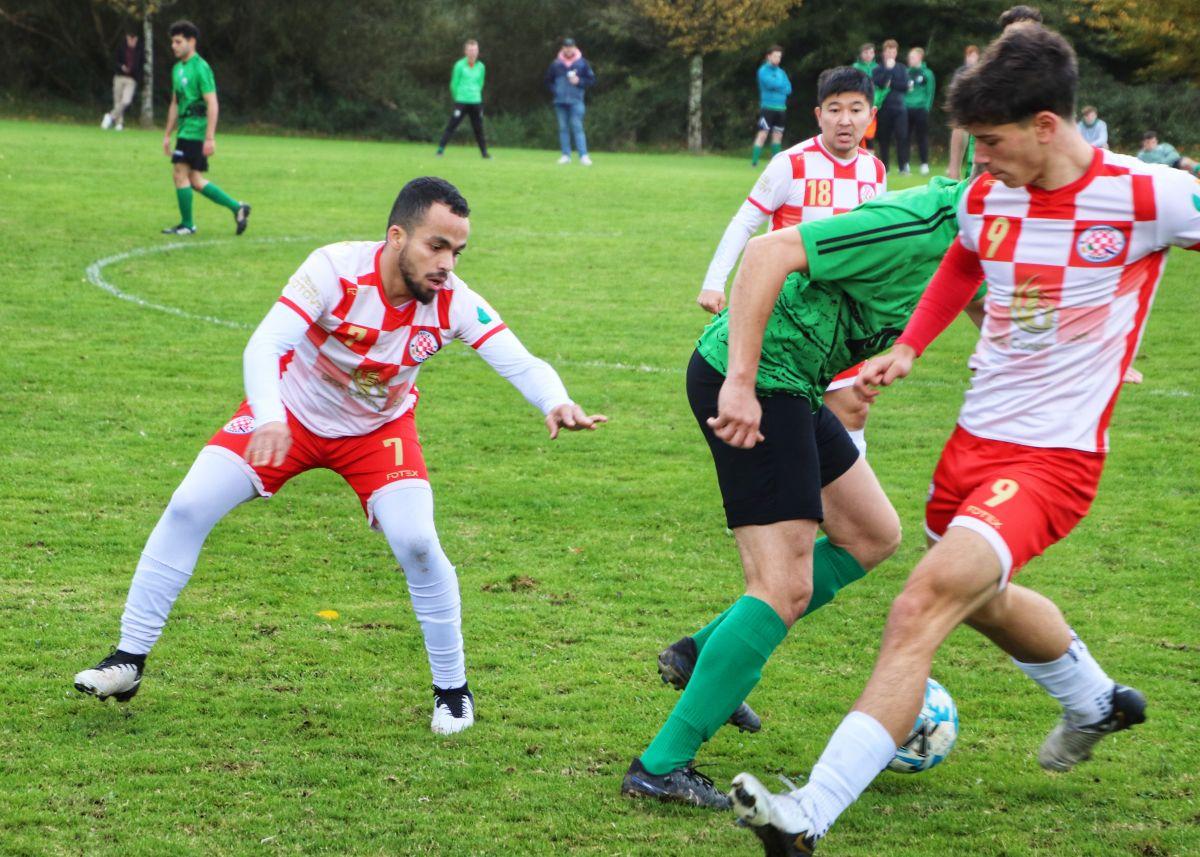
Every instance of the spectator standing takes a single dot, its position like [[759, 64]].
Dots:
[[128, 67], [1093, 128], [867, 65], [893, 115], [962, 144], [466, 88], [773, 91], [567, 78], [918, 101]]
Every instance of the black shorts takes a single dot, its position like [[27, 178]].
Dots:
[[190, 152], [771, 120], [780, 478]]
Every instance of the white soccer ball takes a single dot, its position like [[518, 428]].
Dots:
[[933, 735]]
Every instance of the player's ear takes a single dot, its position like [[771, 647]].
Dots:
[[817, 112], [397, 236], [1045, 124]]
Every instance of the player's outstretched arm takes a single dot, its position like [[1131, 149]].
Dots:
[[748, 219], [572, 418]]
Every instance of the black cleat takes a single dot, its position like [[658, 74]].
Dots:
[[1067, 745], [778, 821], [242, 217], [119, 675], [683, 785], [675, 665], [179, 230]]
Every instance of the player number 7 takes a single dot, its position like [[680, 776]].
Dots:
[[397, 445], [1002, 490]]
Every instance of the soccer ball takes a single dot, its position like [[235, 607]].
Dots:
[[933, 735]]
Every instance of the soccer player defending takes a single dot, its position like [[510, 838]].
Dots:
[[825, 175], [1073, 241], [330, 375], [194, 111]]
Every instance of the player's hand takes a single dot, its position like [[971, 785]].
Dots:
[[711, 300], [210, 146], [738, 415], [572, 418], [1132, 376], [269, 445], [167, 146], [882, 370]]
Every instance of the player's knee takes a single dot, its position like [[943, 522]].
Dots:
[[885, 540], [188, 508], [911, 611], [198, 182], [417, 552]]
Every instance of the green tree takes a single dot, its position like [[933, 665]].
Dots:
[[1163, 34], [696, 28]]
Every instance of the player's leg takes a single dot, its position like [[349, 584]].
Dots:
[[563, 112], [475, 111], [918, 124], [209, 190], [183, 195], [212, 487], [851, 411], [883, 135], [456, 116], [902, 140], [776, 141], [760, 138]]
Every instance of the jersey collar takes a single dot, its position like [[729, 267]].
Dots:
[[821, 147]]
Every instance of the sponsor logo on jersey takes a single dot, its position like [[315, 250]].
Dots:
[[483, 317], [1196, 201], [240, 425], [369, 382], [865, 192], [985, 516], [1100, 243], [402, 474], [1030, 311], [422, 346]]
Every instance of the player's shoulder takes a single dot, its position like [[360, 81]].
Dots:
[[349, 258]]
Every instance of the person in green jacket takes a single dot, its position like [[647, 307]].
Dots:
[[466, 88], [918, 100], [866, 64]]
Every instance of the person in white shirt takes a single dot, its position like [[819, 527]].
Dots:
[[330, 382], [1092, 128]]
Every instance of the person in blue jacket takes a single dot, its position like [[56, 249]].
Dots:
[[568, 76], [773, 91]]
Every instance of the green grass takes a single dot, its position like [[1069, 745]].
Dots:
[[263, 728]]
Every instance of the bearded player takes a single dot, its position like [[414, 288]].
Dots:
[[1073, 241], [330, 379]]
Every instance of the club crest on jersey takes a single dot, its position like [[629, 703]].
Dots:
[[422, 346], [1099, 244], [866, 191], [240, 425]]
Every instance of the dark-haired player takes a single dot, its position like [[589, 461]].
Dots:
[[194, 111], [825, 175], [1073, 241], [330, 378]]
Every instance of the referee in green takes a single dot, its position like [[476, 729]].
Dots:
[[808, 302], [194, 111], [466, 88]]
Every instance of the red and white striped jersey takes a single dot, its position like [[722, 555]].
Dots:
[[807, 182], [356, 367], [1071, 275]]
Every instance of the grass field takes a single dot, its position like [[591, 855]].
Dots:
[[262, 728]]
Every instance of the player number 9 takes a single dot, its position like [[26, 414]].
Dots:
[[996, 233], [1002, 490]]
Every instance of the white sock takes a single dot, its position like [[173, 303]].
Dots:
[[1076, 681], [211, 488], [860, 440], [406, 518], [859, 749]]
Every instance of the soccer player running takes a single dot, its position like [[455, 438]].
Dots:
[[1073, 241], [330, 382], [194, 112], [825, 175]]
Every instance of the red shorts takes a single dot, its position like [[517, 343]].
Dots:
[[390, 455], [845, 378], [1022, 499]]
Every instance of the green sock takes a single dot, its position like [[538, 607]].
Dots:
[[775, 147], [701, 636], [220, 197], [183, 196], [726, 671], [833, 569], [755, 154]]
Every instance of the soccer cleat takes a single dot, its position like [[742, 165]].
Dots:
[[118, 675], [675, 665], [1068, 745], [924, 169], [585, 160], [107, 121], [179, 230], [241, 217], [438, 153], [779, 821], [453, 710], [120, 126], [683, 785], [565, 159]]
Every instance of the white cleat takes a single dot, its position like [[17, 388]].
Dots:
[[924, 169], [119, 675], [1067, 745], [586, 161], [779, 821], [107, 121], [565, 159], [453, 710]]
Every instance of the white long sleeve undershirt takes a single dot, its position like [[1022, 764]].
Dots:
[[748, 219]]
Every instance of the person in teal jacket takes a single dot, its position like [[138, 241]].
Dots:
[[466, 88], [773, 91], [918, 100]]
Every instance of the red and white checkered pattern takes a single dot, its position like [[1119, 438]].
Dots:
[[806, 183], [356, 369], [1071, 276]]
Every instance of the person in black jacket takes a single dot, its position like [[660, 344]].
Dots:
[[127, 74], [892, 117]]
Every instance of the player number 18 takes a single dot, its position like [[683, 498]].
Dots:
[[820, 192]]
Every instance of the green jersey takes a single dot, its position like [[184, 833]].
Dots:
[[466, 82], [191, 81], [866, 271], [868, 68]]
